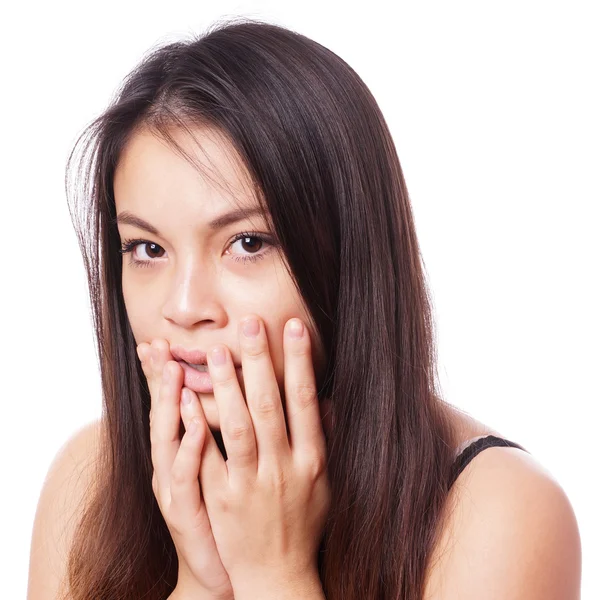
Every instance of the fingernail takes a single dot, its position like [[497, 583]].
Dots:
[[250, 327], [218, 356], [296, 329], [186, 396]]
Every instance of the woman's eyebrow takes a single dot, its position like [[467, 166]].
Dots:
[[128, 218]]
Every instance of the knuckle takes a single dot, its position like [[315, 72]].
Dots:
[[314, 465], [238, 431], [225, 384], [257, 351], [162, 346], [267, 405], [179, 475], [279, 481], [177, 529], [159, 438], [305, 394], [222, 504]]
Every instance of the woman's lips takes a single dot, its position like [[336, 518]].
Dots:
[[199, 381]]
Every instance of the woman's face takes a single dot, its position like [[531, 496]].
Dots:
[[192, 283]]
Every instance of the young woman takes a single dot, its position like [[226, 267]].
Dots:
[[272, 425]]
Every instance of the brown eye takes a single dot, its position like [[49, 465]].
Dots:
[[147, 258], [251, 244], [151, 250]]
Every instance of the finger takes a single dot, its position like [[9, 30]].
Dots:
[[159, 354], [187, 503], [191, 409], [234, 419], [185, 488], [153, 357], [164, 427], [301, 400], [143, 348], [262, 392], [143, 352], [213, 470]]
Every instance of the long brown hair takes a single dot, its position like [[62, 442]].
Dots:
[[317, 147]]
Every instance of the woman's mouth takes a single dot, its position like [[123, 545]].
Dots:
[[197, 377]]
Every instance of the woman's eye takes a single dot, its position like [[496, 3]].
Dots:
[[248, 247], [245, 247], [148, 249]]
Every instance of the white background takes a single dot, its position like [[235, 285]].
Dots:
[[494, 107]]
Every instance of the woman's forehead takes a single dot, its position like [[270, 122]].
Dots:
[[200, 153], [151, 173]]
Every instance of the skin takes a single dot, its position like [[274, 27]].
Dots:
[[197, 295], [512, 533], [197, 286]]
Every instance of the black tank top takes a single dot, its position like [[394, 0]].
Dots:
[[473, 449]]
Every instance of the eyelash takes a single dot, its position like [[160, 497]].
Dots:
[[130, 244]]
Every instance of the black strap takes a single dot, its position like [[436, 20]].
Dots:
[[471, 451]]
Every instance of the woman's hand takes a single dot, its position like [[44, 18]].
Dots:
[[175, 479], [269, 502]]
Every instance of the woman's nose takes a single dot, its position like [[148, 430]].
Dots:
[[193, 296]]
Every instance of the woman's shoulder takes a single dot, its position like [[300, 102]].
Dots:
[[68, 484], [85, 442], [509, 530], [74, 462], [78, 456]]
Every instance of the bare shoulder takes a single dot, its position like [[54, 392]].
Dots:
[[69, 481], [510, 533]]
